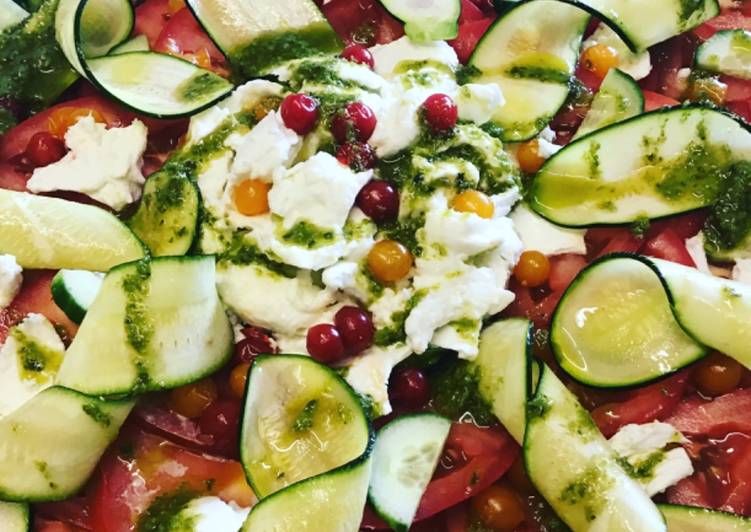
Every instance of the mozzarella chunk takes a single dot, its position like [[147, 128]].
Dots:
[[10, 280], [320, 191], [742, 271], [644, 446], [538, 234], [209, 514], [29, 361], [478, 102], [695, 248], [266, 299], [369, 373], [265, 151], [388, 57], [638, 66], [104, 164]]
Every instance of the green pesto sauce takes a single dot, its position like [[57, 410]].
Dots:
[[688, 8], [593, 159], [163, 515], [139, 327], [525, 130], [588, 490], [304, 420], [202, 86], [583, 427], [538, 407], [35, 362], [405, 230], [273, 48], [94, 411], [33, 69], [242, 252], [395, 332], [466, 327], [729, 222], [467, 74], [455, 391], [539, 73], [309, 235], [643, 469]]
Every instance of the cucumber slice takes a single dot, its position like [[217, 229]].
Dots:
[[574, 468], [653, 165], [10, 14], [74, 291], [167, 216], [646, 22], [693, 519], [15, 517], [614, 326], [163, 325], [316, 425], [726, 52], [155, 84], [531, 52], [139, 43], [618, 99], [257, 35], [425, 21], [406, 454], [51, 444], [52, 233], [504, 363]]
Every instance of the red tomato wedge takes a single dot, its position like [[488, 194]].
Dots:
[[691, 491], [35, 296], [183, 36], [729, 19], [727, 413], [74, 512], [364, 22], [142, 466], [470, 12], [655, 100], [563, 270], [656, 401], [668, 246], [11, 178], [151, 17], [470, 33]]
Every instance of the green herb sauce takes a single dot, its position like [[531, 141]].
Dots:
[[304, 420], [539, 73], [395, 332], [455, 391], [163, 515], [139, 327], [202, 86], [95, 412], [35, 361], [589, 491], [729, 222], [644, 469], [309, 235], [243, 252]]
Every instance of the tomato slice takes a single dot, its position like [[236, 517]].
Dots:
[[727, 413], [691, 491], [729, 19], [469, 35], [142, 466], [655, 100], [183, 36], [470, 11], [656, 401], [668, 246], [563, 270], [73, 512], [151, 18], [365, 21], [12, 178], [175, 427]]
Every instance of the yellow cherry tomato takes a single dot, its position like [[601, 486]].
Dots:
[[600, 58], [237, 379], [532, 269], [251, 197], [475, 202], [192, 399], [389, 261], [529, 157]]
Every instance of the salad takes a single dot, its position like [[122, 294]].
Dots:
[[436, 265]]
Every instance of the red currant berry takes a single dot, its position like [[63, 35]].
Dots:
[[357, 155], [358, 54], [409, 388], [300, 113], [44, 149], [256, 342], [440, 112], [380, 201], [356, 329], [221, 419], [324, 343], [355, 122]]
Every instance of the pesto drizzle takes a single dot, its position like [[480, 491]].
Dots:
[[139, 327]]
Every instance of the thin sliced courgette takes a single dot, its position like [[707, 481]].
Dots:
[[653, 165], [53, 233], [693, 519], [504, 371], [163, 326], [155, 84], [307, 453], [618, 99], [257, 35], [74, 291], [406, 454], [726, 52], [531, 52], [614, 326], [642, 23], [574, 468], [51, 444], [430, 20], [11, 14], [15, 517], [167, 217]]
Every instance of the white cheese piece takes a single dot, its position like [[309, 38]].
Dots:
[[265, 150], [387, 57], [478, 102], [695, 248], [453, 291], [505, 201], [10, 280], [742, 271], [646, 443], [538, 234], [210, 514], [398, 126], [446, 170], [104, 164], [390, 302], [369, 373], [17, 383], [463, 338], [638, 66], [242, 98], [271, 301], [320, 191]]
